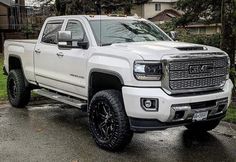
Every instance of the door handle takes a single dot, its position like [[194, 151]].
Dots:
[[60, 54], [37, 51]]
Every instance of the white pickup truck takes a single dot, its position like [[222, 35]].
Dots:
[[125, 72]]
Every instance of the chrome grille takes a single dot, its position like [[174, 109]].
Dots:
[[180, 77]]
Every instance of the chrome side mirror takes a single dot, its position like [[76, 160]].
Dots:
[[64, 39]]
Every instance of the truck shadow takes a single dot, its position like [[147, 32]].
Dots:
[[202, 146]]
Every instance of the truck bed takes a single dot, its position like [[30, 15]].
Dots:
[[34, 41], [24, 49]]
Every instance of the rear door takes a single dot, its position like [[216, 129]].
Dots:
[[45, 55]]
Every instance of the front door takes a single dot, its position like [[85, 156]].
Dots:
[[71, 63]]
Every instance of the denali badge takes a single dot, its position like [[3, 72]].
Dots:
[[197, 69]]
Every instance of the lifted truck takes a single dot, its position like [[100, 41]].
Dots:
[[125, 72]]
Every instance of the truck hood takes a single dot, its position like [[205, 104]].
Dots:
[[156, 50]]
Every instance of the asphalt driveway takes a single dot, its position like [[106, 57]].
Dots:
[[56, 133]]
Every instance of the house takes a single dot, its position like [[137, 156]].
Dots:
[[12, 18], [165, 15], [12, 13], [207, 29], [161, 11], [152, 8], [4, 14]]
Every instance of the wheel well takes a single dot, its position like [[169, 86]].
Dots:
[[101, 81], [14, 63]]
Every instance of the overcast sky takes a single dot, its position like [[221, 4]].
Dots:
[[32, 2]]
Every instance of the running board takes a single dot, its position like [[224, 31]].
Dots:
[[81, 104]]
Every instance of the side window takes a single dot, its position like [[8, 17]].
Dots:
[[50, 32], [76, 29]]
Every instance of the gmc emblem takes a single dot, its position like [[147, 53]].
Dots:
[[197, 69]]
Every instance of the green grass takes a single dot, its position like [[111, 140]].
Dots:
[[3, 94], [231, 114]]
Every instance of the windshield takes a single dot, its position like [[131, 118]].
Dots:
[[108, 32]]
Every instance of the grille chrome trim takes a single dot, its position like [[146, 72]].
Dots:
[[197, 83], [184, 75], [176, 72]]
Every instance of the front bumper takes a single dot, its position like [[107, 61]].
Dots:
[[142, 125], [164, 117]]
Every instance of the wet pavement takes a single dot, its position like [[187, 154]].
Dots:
[[53, 132]]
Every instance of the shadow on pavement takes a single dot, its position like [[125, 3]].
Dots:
[[203, 145]]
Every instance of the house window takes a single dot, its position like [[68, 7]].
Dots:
[[202, 30], [158, 7]]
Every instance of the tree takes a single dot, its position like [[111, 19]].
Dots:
[[98, 6], [228, 17], [213, 11]]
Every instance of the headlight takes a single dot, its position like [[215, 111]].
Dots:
[[147, 70]]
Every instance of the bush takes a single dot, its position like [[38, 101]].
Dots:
[[183, 35], [211, 40]]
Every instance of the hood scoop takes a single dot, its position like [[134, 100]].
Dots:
[[192, 48]]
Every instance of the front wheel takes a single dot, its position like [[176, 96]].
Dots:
[[203, 126], [108, 122]]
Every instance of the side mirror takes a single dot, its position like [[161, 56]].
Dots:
[[65, 40], [173, 35]]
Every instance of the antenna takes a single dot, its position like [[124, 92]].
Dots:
[[100, 12]]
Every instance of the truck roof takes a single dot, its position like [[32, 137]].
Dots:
[[96, 17]]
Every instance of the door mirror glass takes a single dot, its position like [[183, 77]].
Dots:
[[64, 39]]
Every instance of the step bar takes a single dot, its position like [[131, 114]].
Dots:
[[78, 103]]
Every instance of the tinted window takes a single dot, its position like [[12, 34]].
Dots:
[[76, 29], [50, 32], [121, 31]]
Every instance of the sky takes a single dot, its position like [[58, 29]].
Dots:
[[32, 2], [29, 2]]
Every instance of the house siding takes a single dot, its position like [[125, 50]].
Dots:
[[4, 21], [149, 9]]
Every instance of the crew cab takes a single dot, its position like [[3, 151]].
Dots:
[[124, 71]]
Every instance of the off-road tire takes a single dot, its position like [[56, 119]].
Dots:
[[18, 96], [203, 126], [120, 135]]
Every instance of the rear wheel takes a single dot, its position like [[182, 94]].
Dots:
[[109, 124], [18, 92], [203, 126]]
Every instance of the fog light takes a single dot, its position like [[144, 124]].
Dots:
[[149, 104], [179, 115], [221, 108]]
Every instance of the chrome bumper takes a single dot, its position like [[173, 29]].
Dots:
[[214, 108]]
